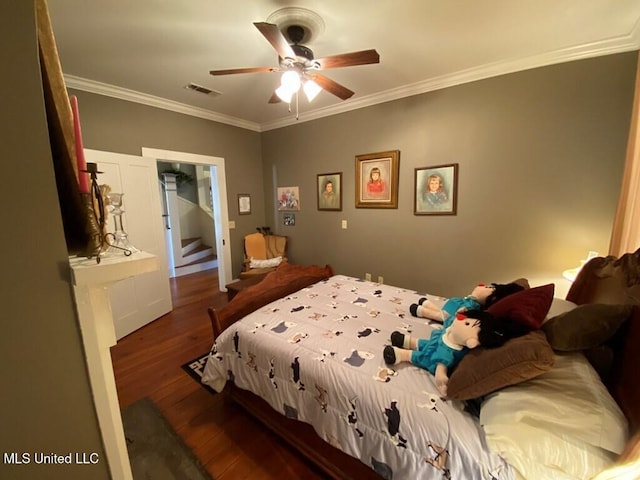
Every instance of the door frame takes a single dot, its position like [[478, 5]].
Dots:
[[220, 204]]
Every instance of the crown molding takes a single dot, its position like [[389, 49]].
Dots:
[[607, 47], [107, 90], [610, 46]]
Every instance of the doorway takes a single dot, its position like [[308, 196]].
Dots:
[[220, 204]]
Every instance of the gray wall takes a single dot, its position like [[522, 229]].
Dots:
[[46, 404], [540, 156], [540, 152]]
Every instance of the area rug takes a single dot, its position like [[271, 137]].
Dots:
[[195, 369], [155, 451]]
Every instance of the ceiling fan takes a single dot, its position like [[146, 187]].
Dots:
[[299, 66]]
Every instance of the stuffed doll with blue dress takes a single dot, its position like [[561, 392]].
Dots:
[[446, 346]]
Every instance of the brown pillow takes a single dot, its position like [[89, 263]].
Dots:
[[485, 370], [585, 326], [528, 307]]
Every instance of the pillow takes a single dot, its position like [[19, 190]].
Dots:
[[585, 326], [563, 424], [527, 307], [558, 306], [269, 262], [485, 370]]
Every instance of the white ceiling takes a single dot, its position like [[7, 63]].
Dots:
[[148, 50]]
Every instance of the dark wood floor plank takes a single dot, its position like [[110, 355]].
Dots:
[[147, 363]]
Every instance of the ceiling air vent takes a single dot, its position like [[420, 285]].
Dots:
[[201, 89]]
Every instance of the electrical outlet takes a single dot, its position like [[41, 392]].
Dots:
[[344, 224], [367, 277], [380, 279]]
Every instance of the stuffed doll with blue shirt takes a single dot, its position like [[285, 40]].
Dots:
[[481, 297]]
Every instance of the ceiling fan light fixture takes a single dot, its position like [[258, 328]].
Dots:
[[311, 89], [284, 93], [291, 80]]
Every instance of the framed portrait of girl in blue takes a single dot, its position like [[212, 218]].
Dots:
[[436, 190]]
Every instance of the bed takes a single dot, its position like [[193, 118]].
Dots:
[[302, 351]]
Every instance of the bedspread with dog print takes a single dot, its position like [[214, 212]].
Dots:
[[316, 356]]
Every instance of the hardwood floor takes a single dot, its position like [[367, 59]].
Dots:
[[147, 363]]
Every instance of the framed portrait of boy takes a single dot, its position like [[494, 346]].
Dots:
[[330, 191], [377, 179], [436, 190]]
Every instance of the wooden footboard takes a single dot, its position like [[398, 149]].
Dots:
[[285, 280], [302, 437]]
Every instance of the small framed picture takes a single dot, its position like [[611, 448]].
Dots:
[[289, 219], [288, 199], [436, 190], [377, 179], [330, 191], [244, 203]]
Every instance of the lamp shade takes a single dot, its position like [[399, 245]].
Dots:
[[311, 89]]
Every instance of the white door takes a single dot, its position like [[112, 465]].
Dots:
[[138, 300], [220, 208]]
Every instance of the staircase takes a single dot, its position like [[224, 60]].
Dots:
[[196, 257]]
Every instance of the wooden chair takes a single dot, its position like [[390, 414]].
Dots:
[[262, 254]]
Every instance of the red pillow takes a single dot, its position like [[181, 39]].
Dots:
[[527, 307]]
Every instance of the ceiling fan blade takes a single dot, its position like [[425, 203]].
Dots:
[[333, 87], [364, 57], [233, 71], [273, 35]]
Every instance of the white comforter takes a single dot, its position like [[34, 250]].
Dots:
[[316, 356]]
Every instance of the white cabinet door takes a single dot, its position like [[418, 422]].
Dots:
[[138, 300]]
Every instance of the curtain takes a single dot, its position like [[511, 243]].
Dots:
[[625, 236]]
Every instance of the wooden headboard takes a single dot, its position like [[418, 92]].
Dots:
[[612, 280]]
